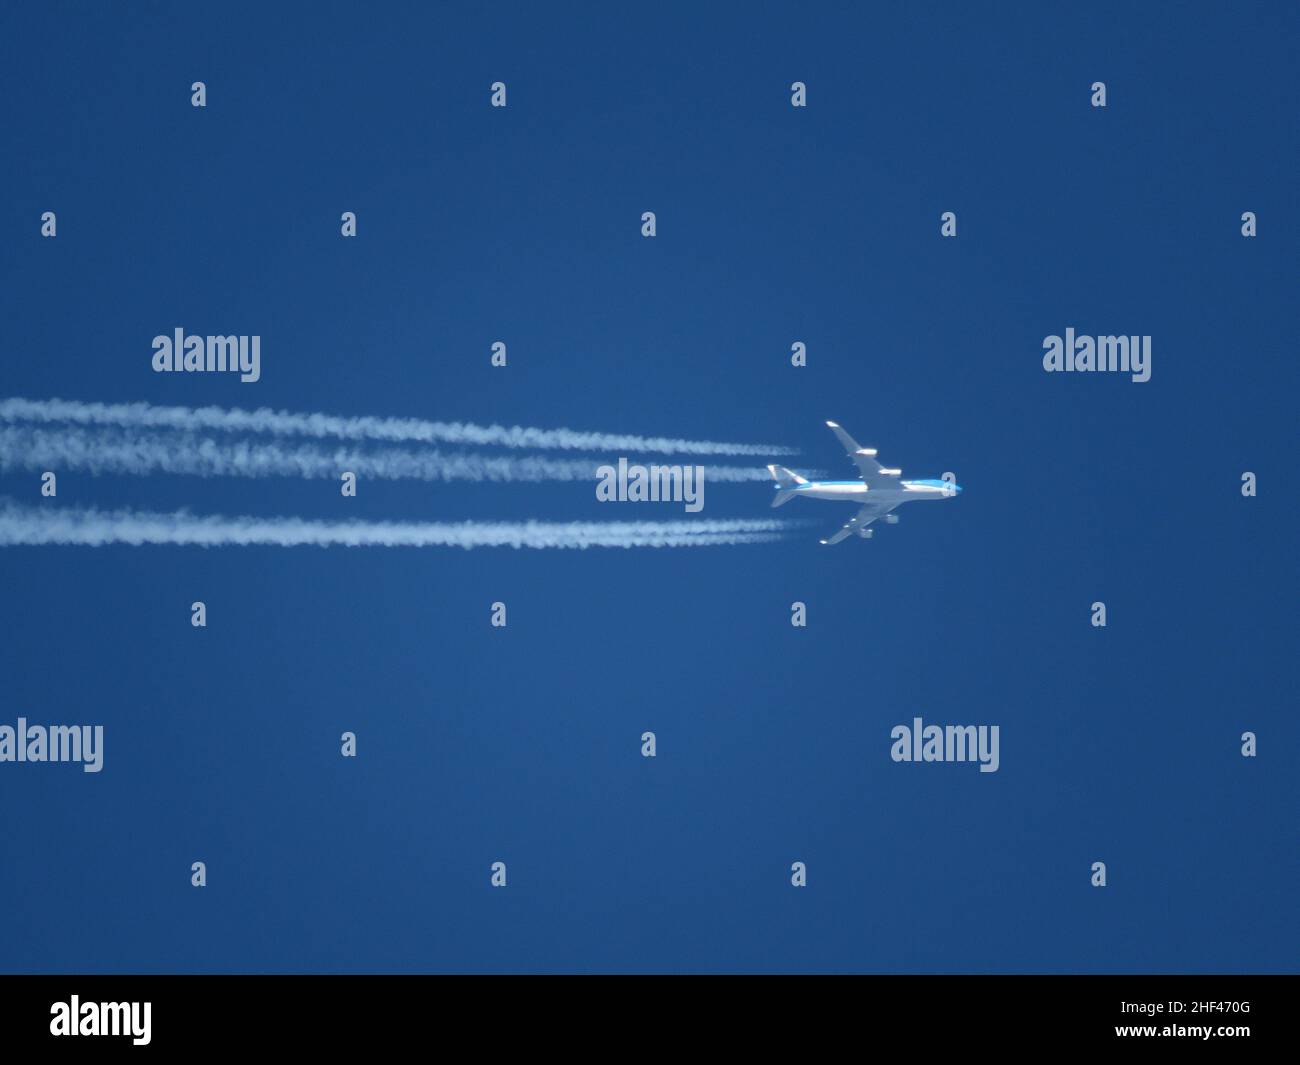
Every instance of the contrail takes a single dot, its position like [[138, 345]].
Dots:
[[395, 430], [140, 453], [90, 527]]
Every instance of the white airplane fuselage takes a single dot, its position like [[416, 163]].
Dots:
[[857, 492]]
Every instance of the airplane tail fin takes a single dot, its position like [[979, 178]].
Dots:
[[786, 482]]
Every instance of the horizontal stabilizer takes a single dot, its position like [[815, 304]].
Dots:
[[786, 483]]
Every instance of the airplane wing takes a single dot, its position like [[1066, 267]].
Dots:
[[874, 474], [866, 514]]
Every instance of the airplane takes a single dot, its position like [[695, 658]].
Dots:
[[880, 491]]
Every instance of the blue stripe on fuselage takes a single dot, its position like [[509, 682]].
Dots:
[[927, 482]]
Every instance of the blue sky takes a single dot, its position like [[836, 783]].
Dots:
[[775, 225]]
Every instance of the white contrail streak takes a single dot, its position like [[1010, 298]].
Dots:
[[140, 453], [42, 525], [393, 430]]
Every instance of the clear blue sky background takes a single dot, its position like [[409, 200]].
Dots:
[[775, 225]]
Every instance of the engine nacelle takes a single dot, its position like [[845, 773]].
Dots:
[[866, 534], [891, 519]]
